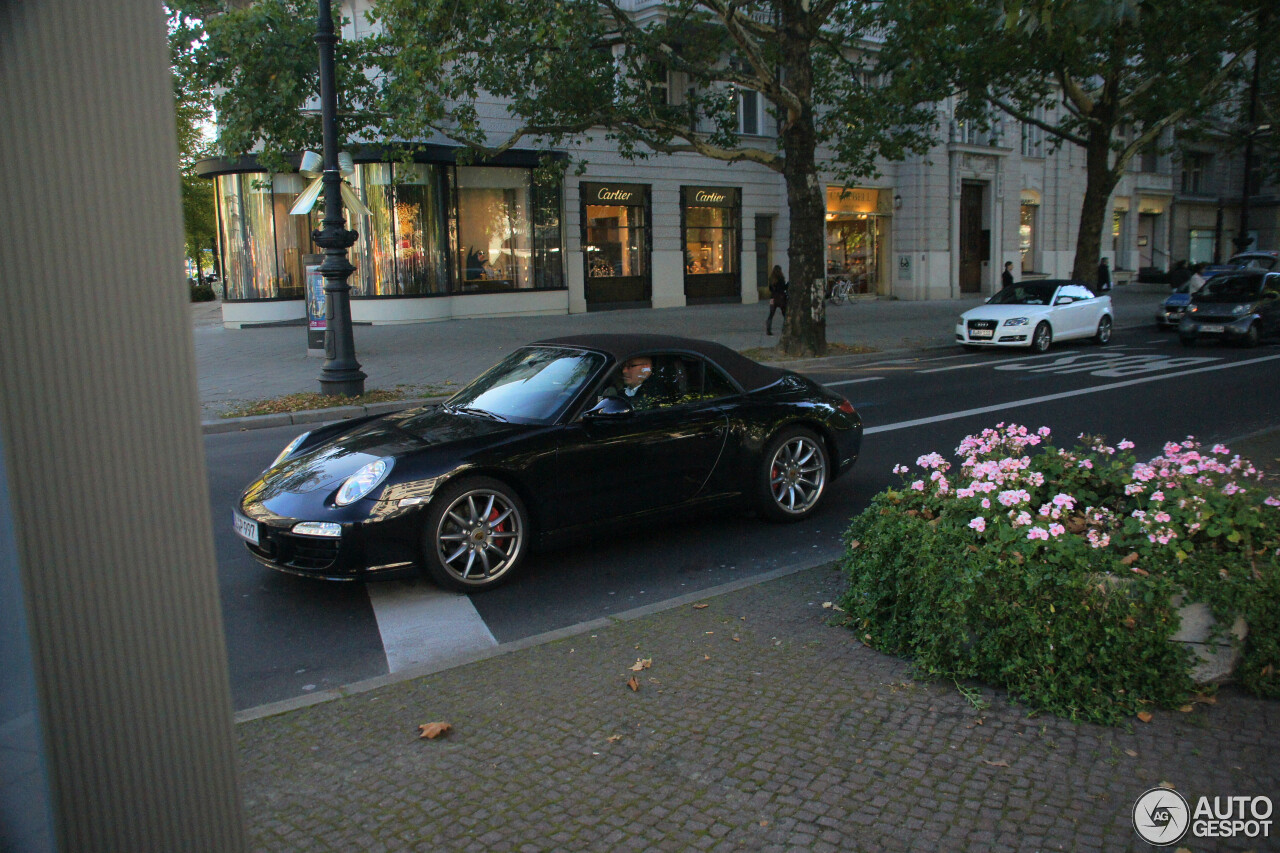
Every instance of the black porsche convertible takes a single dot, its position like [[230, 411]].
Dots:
[[551, 441]]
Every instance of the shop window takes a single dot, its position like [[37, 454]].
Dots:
[[494, 229], [615, 244], [854, 238], [1027, 236], [248, 237], [402, 243], [710, 244], [1200, 247]]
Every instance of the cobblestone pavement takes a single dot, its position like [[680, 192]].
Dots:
[[758, 726]]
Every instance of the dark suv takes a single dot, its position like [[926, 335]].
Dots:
[[1241, 306]]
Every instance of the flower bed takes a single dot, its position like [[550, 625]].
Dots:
[[1052, 571]]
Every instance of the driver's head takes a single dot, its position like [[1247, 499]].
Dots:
[[636, 370]]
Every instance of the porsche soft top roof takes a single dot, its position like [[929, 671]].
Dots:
[[751, 375]]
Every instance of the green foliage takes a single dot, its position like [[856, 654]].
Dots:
[[1059, 588], [202, 293]]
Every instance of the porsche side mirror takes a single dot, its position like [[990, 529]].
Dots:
[[610, 409]]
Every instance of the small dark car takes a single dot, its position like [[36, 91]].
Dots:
[[1241, 306], [545, 445]]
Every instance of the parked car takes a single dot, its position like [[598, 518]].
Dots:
[[1241, 306], [542, 446], [1172, 309], [1036, 313]]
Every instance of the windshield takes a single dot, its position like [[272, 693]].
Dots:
[[1254, 262], [1230, 288], [533, 384], [1034, 293]]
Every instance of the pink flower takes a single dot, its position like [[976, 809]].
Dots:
[[1086, 463], [1163, 517], [900, 469], [1157, 496], [1125, 444], [1231, 489], [1012, 497], [1038, 533], [1063, 500], [979, 524], [1271, 501], [986, 503], [1044, 431], [918, 485], [1056, 530]]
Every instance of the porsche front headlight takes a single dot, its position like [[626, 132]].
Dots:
[[363, 481]]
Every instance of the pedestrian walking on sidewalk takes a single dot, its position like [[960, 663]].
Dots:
[[1006, 277], [1104, 276], [777, 297]]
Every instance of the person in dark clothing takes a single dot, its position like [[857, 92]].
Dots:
[[1006, 277], [777, 297], [1104, 276], [1179, 275]]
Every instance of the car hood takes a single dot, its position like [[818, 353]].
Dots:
[[1004, 312], [1177, 300], [398, 436]]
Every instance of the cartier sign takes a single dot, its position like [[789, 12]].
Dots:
[[629, 194], [711, 196]]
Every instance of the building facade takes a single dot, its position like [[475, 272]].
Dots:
[[490, 239]]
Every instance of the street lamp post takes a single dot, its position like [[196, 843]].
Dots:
[[341, 374]]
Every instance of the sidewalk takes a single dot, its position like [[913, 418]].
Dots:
[[758, 725], [238, 365]]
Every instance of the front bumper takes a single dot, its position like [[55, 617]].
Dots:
[[1001, 335], [1169, 318], [1232, 328], [363, 550]]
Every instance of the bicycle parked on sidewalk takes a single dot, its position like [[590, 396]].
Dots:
[[841, 292]]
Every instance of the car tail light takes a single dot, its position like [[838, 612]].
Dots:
[[846, 407]]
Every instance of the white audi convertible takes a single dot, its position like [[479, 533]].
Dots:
[[1035, 314]]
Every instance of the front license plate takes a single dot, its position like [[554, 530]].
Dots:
[[246, 527], [1212, 329], [981, 333]]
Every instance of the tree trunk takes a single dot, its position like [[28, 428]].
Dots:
[[804, 333], [1100, 180]]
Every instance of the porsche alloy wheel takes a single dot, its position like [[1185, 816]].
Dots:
[[794, 475], [476, 535]]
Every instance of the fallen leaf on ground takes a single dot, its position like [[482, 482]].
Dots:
[[826, 605], [701, 606], [1187, 709], [1145, 716], [1142, 572], [633, 684], [431, 731], [706, 657], [1130, 559], [614, 738], [641, 663], [854, 544], [1205, 699], [737, 640], [1131, 753], [995, 763]]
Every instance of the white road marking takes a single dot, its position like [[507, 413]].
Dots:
[[421, 623], [1114, 365], [1112, 352], [1048, 398], [852, 381]]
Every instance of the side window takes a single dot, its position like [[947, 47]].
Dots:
[[1076, 292]]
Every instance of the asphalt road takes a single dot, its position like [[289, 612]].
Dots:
[[290, 636]]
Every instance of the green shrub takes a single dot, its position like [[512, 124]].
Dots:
[[202, 293], [1050, 572]]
